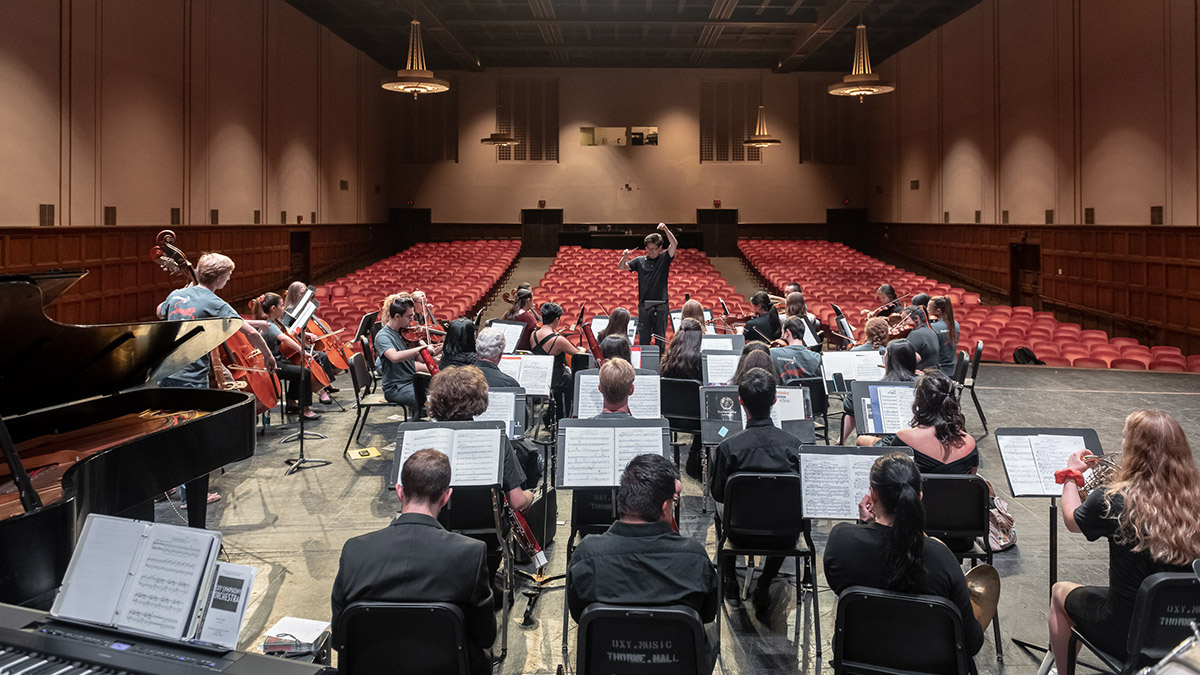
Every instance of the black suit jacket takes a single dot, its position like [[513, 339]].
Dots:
[[415, 559], [494, 376]]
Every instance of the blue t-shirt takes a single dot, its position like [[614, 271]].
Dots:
[[194, 302], [394, 374]]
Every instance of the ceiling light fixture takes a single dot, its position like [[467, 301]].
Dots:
[[861, 81], [415, 79], [761, 139], [500, 139]]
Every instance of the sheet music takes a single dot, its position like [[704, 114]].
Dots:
[[99, 570], [721, 367], [832, 485], [226, 605], [893, 408], [502, 407], [512, 334], [510, 364], [646, 398], [809, 339], [591, 401], [1030, 462], [418, 439], [160, 598], [677, 318], [717, 345], [476, 458], [599, 323], [635, 358], [632, 332], [536, 373], [1051, 454], [588, 456], [633, 441]]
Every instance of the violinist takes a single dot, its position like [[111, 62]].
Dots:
[[268, 309], [922, 337], [941, 311], [692, 309], [616, 346], [522, 310], [921, 300], [890, 304], [794, 361], [788, 288], [652, 270], [546, 340], [877, 336], [766, 326], [618, 324], [420, 308], [398, 362], [899, 365]]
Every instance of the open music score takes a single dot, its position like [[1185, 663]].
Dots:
[[474, 448], [677, 318], [154, 579], [594, 453], [882, 407], [723, 343], [718, 367], [834, 479], [507, 405], [644, 403], [533, 372], [1031, 456], [841, 369], [600, 322], [512, 330]]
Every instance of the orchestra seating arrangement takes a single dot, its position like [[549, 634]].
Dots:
[[833, 273], [580, 276], [477, 267]]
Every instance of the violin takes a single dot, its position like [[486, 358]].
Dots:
[[890, 303], [414, 333]]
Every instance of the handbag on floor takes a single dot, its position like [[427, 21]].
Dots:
[[1002, 529]]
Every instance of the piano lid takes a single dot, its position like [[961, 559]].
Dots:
[[53, 283], [44, 363]]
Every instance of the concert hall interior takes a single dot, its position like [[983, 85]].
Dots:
[[1010, 195]]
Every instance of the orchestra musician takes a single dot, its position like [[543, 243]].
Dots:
[[876, 333], [890, 550], [616, 346], [938, 437], [754, 355], [899, 365], [788, 288], [200, 301], [291, 299], [407, 561], [546, 340], [920, 300], [652, 269], [616, 386], [941, 311], [760, 448], [522, 310], [268, 309], [618, 324], [489, 347], [397, 362], [692, 309], [458, 349], [794, 361], [886, 296], [922, 337], [683, 361], [1147, 513], [766, 326]]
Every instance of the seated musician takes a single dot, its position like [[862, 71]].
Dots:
[[683, 361], [885, 295], [754, 355], [922, 338], [408, 560], [899, 365], [616, 346], [766, 326], [202, 302], [890, 550], [761, 447], [788, 288], [692, 309], [268, 308], [938, 437], [489, 347], [795, 361], [641, 559], [458, 348], [618, 324], [458, 394], [523, 310], [941, 313], [921, 300], [616, 386], [291, 299], [546, 340], [1147, 513], [876, 333], [397, 362]]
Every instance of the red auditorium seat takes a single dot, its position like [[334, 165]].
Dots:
[[1162, 349], [1120, 342], [1089, 362], [1127, 364], [1168, 365], [1193, 364], [1093, 336], [1044, 347], [1056, 361]]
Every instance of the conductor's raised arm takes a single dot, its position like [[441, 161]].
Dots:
[[673, 243], [623, 263]]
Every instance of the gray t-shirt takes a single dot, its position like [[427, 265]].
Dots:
[[925, 341], [394, 374], [194, 302], [795, 362], [947, 353], [271, 335]]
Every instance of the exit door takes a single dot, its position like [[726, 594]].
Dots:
[[1025, 275]]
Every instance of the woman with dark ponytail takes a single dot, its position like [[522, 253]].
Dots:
[[889, 549], [941, 315], [767, 326], [523, 310], [938, 436], [268, 309]]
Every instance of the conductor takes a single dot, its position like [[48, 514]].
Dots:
[[652, 270]]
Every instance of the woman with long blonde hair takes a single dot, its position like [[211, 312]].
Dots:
[[1148, 514]]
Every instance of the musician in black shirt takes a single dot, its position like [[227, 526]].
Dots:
[[652, 270], [766, 326]]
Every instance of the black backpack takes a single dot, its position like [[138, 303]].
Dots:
[[1025, 356]]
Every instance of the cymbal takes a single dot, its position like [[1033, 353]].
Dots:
[[983, 583]]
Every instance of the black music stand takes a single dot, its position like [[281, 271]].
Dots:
[[299, 317], [302, 462], [541, 582]]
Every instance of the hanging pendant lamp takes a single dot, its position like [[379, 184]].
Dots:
[[861, 81], [415, 79], [761, 139], [500, 139]]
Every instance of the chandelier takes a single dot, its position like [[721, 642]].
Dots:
[[861, 81], [415, 79]]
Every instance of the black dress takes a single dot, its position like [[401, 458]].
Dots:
[[560, 382]]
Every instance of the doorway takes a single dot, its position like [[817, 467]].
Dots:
[[300, 261], [1025, 275]]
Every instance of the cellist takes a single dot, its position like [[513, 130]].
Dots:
[[268, 309], [295, 291]]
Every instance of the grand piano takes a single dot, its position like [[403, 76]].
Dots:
[[82, 433]]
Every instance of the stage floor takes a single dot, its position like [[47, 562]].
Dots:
[[292, 528]]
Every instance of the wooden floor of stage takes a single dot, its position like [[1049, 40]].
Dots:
[[292, 528]]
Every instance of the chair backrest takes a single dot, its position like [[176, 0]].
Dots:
[[367, 349], [386, 637], [1165, 605], [359, 377], [680, 403], [816, 394], [956, 506], [763, 504], [665, 640], [470, 510], [875, 632], [975, 362], [960, 367]]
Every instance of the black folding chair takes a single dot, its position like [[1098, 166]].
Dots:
[[970, 383], [680, 405], [819, 400], [1165, 605], [961, 363], [666, 640], [379, 637], [880, 632], [368, 352], [475, 511], [957, 511], [364, 399], [761, 506]]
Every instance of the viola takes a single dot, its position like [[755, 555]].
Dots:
[[335, 348], [415, 332]]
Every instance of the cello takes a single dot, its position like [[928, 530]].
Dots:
[[328, 341]]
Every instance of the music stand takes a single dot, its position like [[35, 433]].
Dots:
[[300, 461]]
